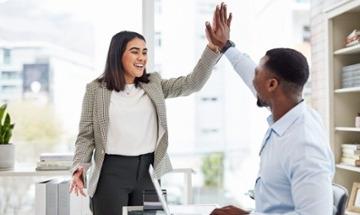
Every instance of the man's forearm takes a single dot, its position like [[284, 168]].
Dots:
[[243, 65]]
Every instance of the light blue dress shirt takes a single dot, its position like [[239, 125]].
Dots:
[[296, 162]]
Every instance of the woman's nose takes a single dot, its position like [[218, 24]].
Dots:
[[141, 57]]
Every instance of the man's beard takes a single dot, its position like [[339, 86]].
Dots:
[[261, 103]]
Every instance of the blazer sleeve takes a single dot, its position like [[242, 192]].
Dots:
[[85, 142], [193, 82]]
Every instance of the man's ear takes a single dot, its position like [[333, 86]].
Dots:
[[273, 84]]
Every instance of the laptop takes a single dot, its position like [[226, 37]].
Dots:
[[178, 209]]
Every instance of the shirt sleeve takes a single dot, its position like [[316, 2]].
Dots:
[[243, 65], [310, 172]]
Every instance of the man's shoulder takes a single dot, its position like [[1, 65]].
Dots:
[[307, 130]]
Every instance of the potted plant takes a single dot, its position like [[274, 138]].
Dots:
[[7, 149]]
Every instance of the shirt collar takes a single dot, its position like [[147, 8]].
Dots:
[[282, 124]]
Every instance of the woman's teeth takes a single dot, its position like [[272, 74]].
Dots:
[[138, 65]]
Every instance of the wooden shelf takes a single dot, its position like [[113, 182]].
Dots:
[[348, 50], [347, 129], [351, 213], [348, 90], [348, 167]]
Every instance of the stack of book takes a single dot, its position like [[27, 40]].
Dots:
[[52, 197], [350, 76], [351, 154], [353, 38], [55, 161]]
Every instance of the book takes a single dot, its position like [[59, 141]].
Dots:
[[350, 156], [54, 165], [46, 197], [56, 156], [64, 198], [52, 197], [351, 67], [350, 146], [350, 151], [350, 161]]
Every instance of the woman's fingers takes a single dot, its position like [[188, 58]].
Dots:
[[77, 186], [71, 187], [82, 191], [76, 191], [79, 189]]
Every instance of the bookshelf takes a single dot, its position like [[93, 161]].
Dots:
[[343, 103]]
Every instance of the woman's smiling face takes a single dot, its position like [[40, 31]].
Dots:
[[134, 59]]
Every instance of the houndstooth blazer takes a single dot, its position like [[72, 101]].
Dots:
[[92, 135]]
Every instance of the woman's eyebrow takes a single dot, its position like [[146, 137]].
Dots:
[[137, 49]]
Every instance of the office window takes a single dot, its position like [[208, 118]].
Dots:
[[8, 88], [9, 75], [303, 1], [158, 6], [209, 130], [57, 47], [157, 39], [6, 56], [209, 99], [306, 33]]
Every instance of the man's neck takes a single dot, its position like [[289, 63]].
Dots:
[[280, 107]]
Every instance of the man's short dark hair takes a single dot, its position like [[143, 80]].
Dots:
[[289, 65]]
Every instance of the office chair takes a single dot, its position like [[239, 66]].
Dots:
[[340, 199], [340, 195]]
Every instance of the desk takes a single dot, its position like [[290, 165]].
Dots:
[[14, 186], [183, 209], [23, 169]]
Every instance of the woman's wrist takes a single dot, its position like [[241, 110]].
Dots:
[[213, 47], [78, 172]]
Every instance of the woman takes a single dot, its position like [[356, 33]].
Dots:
[[123, 124]]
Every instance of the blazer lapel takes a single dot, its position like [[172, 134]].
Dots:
[[153, 95]]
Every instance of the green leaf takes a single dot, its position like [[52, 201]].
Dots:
[[7, 120], [2, 139], [2, 111], [5, 126], [7, 136]]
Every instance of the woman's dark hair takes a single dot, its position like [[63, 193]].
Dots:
[[114, 74], [290, 65]]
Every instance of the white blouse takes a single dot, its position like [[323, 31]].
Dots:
[[132, 127]]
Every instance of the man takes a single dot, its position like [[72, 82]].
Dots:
[[296, 162]]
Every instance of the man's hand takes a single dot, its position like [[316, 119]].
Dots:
[[229, 210], [219, 32]]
